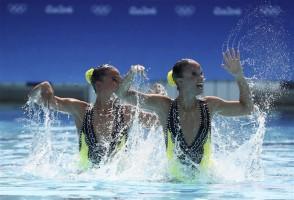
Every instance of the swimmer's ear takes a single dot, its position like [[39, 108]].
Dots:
[[88, 75], [170, 78]]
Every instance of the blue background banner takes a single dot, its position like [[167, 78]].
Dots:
[[59, 40]]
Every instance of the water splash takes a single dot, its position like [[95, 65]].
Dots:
[[53, 158], [262, 41], [50, 152], [145, 158], [237, 146], [237, 142], [261, 38]]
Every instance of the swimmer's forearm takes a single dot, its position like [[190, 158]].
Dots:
[[122, 91], [245, 94], [131, 97], [134, 97]]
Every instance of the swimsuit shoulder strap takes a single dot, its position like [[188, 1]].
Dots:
[[172, 121], [88, 128], [205, 114]]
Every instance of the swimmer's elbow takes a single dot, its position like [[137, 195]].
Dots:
[[248, 109], [46, 83]]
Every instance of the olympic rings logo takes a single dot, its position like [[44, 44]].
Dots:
[[17, 9], [101, 10], [185, 10]]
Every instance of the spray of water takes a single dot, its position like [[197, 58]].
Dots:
[[52, 146], [57, 158], [237, 142], [261, 38], [144, 158], [262, 41]]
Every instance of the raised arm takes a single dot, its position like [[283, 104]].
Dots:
[[43, 94], [150, 102], [233, 108]]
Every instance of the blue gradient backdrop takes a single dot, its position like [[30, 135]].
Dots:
[[36, 46]]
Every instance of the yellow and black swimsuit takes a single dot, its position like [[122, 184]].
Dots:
[[91, 151], [179, 153]]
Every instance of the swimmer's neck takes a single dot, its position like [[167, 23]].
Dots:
[[104, 102], [187, 102]]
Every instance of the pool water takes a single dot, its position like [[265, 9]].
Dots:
[[38, 161]]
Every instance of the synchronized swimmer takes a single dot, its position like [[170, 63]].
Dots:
[[186, 120], [107, 121]]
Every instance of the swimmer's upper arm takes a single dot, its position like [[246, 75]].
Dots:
[[70, 105], [227, 108], [147, 119], [150, 102], [43, 94]]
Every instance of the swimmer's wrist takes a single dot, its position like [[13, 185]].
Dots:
[[239, 76]]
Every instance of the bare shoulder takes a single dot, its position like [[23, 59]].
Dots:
[[81, 106], [161, 103], [213, 102], [73, 106]]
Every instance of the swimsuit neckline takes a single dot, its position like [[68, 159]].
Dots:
[[114, 122], [181, 133]]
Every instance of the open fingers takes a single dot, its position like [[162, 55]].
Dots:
[[233, 53], [238, 55], [228, 55], [226, 59]]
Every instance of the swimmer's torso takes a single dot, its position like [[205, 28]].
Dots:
[[102, 135], [186, 142]]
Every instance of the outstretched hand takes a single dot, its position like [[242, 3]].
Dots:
[[135, 69], [127, 80], [232, 63], [42, 94]]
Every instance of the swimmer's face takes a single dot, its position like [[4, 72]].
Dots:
[[110, 81], [193, 77]]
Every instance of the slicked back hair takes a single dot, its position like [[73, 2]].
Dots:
[[178, 68], [100, 72]]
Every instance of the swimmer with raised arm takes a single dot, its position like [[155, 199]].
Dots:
[[107, 121], [186, 119]]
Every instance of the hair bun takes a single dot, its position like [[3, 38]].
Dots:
[[89, 74], [170, 79]]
